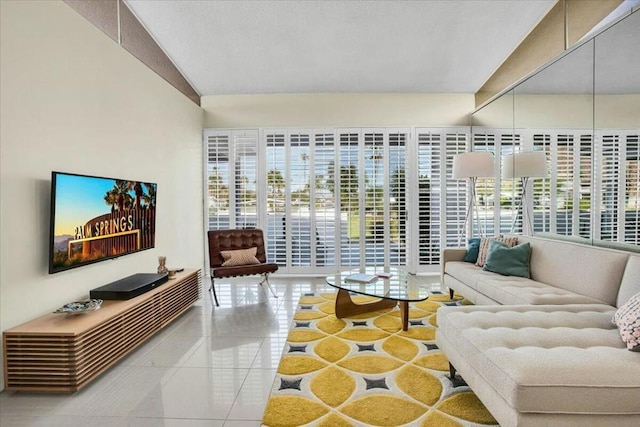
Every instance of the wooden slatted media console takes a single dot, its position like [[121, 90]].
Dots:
[[64, 352]]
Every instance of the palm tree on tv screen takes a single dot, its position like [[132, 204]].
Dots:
[[150, 197], [121, 190], [110, 200], [137, 188]]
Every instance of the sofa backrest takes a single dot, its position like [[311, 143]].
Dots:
[[586, 270], [627, 247], [630, 280]]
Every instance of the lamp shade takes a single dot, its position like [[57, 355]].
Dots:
[[473, 165], [529, 164]]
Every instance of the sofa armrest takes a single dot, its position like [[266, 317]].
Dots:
[[450, 254]]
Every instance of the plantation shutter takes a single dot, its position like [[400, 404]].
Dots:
[[565, 185], [584, 205], [618, 181], [511, 215], [456, 190], [217, 179], [542, 195], [487, 189], [396, 203], [430, 195], [298, 185], [345, 176], [301, 203], [323, 157], [244, 176], [372, 212], [275, 162], [632, 190], [609, 185], [231, 179]]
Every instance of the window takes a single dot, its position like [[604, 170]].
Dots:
[[542, 196], [217, 179], [592, 189], [497, 197], [441, 201], [231, 179], [610, 183], [339, 198], [371, 171], [585, 184], [632, 190], [618, 183]]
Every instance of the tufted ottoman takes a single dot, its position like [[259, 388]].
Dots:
[[544, 365]]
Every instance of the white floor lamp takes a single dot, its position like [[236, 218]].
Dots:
[[471, 166], [525, 165]]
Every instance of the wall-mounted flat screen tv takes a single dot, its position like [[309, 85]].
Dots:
[[95, 218]]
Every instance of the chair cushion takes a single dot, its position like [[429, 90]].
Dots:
[[244, 270], [240, 257]]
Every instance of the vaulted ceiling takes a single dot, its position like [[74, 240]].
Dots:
[[242, 47]]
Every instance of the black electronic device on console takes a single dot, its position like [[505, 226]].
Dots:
[[129, 287]]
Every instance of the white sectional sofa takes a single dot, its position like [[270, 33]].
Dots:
[[543, 351]]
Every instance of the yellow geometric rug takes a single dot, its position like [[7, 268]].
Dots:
[[365, 370]]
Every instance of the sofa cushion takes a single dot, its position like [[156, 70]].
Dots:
[[627, 319], [508, 261], [547, 359], [585, 270], [484, 247], [512, 289], [465, 272], [520, 290]]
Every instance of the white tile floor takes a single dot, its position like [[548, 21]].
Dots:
[[210, 367]]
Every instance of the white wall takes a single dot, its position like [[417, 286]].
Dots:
[[72, 100], [337, 109]]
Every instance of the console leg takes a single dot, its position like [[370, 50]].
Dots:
[[451, 291], [212, 292], [452, 371]]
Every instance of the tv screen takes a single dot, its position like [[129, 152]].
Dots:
[[95, 218]]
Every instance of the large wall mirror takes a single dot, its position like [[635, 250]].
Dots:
[[580, 114]]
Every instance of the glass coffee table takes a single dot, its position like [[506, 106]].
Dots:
[[399, 287]]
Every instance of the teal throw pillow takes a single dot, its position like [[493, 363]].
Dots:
[[508, 261], [472, 250]]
